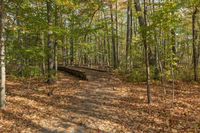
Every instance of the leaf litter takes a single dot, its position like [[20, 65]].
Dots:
[[99, 106]]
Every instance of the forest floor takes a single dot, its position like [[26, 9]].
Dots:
[[103, 105]]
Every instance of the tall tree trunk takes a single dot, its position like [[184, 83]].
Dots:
[[107, 41], [104, 49], [113, 38], [128, 32], [19, 41], [50, 43], [64, 49], [71, 50], [116, 26], [156, 67], [173, 42], [131, 34], [56, 43], [143, 25], [194, 34], [44, 58], [109, 51], [2, 45]]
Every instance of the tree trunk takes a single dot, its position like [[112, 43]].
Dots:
[[104, 49], [194, 34], [71, 50], [108, 43], [19, 42], [3, 69], [50, 43], [43, 59], [64, 50], [128, 32], [173, 42], [117, 38], [113, 38], [143, 25], [56, 43], [131, 35]]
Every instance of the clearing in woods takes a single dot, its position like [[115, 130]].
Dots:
[[104, 104]]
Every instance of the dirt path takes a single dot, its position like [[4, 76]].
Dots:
[[91, 107], [103, 105]]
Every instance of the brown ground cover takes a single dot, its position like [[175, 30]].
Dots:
[[103, 105]]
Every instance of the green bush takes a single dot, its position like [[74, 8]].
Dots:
[[32, 71], [137, 75]]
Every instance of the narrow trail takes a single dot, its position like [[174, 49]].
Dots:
[[91, 105]]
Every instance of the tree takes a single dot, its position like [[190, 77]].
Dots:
[[113, 37], [117, 31], [50, 42], [56, 42], [194, 37], [129, 30], [143, 25], [2, 44]]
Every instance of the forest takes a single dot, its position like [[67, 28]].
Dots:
[[99, 66]]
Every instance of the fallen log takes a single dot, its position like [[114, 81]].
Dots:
[[94, 69], [78, 73]]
